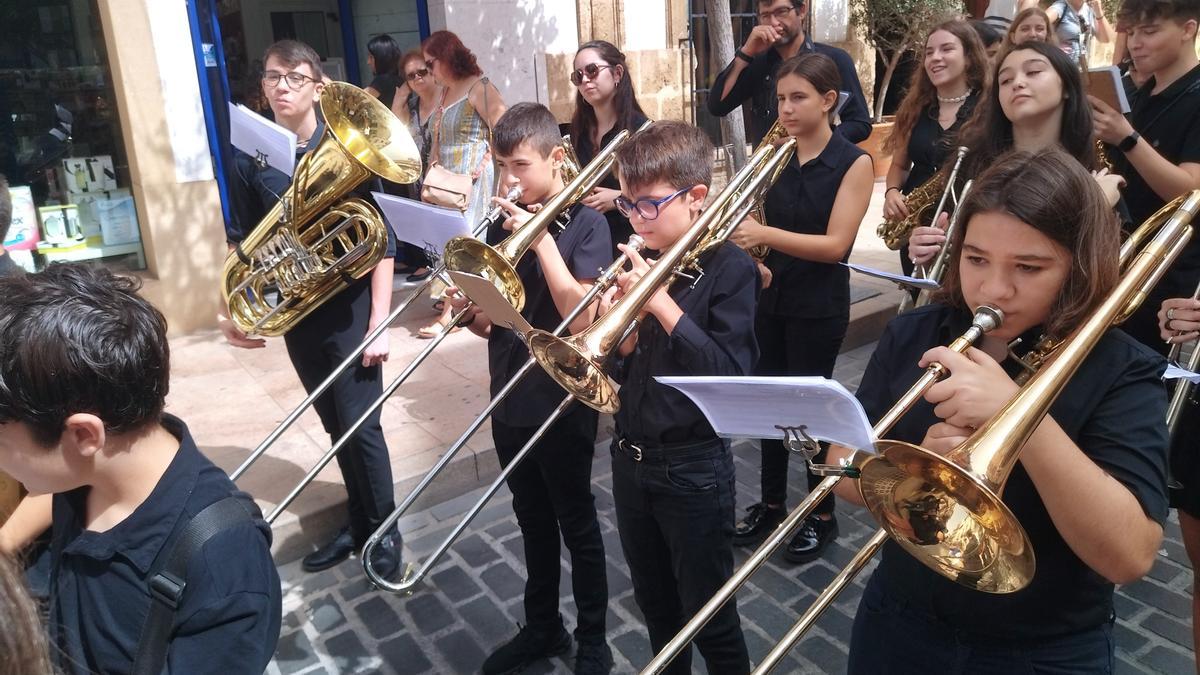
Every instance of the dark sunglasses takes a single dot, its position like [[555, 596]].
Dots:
[[591, 70], [419, 73]]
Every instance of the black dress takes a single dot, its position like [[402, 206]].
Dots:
[[618, 225]]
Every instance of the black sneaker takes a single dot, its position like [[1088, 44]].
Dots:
[[337, 550], [759, 522], [528, 646], [812, 538], [593, 658]]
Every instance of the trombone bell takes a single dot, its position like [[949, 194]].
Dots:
[[467, 254], [947, 518], [571, 368]]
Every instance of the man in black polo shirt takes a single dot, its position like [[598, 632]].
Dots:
[[1157, 149], [84, 372], [779, 36]]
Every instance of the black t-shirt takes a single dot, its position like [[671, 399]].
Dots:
[[99, 598], [1113, 409], [1168, 121], [756, 84], [582, 238], [929, 144], [386, 84], [801, 201], [618, 225], [715, 336]]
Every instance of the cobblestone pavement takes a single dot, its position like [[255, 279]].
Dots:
[[335, 622]]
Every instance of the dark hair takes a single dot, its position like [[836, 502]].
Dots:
[[1052, 193], [445, 46], [921, 93], [386, 52], [75, 339], [22, 640], [673, 152], [1051, 34], [5, 207], [989, 132], [583, 120], [988, 34], [531, 123], [820, 71], [294, 53], [1145, 11]]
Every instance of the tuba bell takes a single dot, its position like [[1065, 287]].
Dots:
[[314, 242]]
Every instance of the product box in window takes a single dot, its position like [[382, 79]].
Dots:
[[60, 225], [23, 233], [89, 211], [118, 219], [89, 174]]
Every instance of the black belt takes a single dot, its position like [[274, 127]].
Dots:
[[654, 453]]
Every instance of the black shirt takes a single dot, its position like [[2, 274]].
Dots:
[[618, 225], [1168, 122], [1113, 409], [715, 336], [584, 245], [757, 85], [386, 84], [230, 615], [801, 201], [929, 144]]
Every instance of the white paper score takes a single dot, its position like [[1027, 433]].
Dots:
[[483, 293], [892, 276], [421, 224], [751, 407], [259, 137]]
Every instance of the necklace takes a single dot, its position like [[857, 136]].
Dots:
[[955, 99]]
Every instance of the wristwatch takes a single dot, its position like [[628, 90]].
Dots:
[[743, 55], [1128, 142]]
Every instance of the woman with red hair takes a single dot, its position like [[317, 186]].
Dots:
[[469, 107]]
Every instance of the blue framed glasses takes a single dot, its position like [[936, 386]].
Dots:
[[646, 207]]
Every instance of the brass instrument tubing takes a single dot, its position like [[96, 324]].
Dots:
[[602, 284], [932, 374]]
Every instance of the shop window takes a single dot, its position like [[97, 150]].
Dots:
[[61, 146]]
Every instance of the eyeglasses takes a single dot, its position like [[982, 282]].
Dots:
[[778, 14], [417, 74], [295, 80], [591, 70], [646, 207]]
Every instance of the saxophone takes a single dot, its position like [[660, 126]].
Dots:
[[933, 191], [773, 136]]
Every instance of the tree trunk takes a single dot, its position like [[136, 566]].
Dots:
[[893, 62], [720, 36]]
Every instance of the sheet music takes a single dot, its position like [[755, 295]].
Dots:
[[892, 276], [483, 293], [421, 224], [753, 407], [1174, 372], [261, 138]]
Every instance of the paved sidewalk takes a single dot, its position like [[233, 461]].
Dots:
[[335, 622]]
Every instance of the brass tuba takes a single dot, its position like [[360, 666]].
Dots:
[[314, 242]]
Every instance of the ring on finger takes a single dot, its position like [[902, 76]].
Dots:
[[1171, 314]]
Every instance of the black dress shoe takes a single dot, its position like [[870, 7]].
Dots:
[[330, 554], [759, 522], [530, 645], [418, 276], [812, 538], [386, 556]]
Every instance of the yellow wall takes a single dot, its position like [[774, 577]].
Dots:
[[182, 226]]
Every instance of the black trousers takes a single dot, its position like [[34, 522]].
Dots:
[[552, 498], [795, 346], [675, 517], [316, 346]]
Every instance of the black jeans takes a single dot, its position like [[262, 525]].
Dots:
[[552, 495], [675, 518], [795, 346], [316, 346], [890, 638]]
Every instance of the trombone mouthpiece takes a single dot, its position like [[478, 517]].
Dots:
[[493, 216], [988, 318], [635, 242]]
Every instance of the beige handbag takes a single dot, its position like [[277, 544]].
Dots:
[[441, 186]]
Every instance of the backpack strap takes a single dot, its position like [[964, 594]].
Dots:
[[169, 583]]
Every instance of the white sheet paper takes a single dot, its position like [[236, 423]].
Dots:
[[752, 407], [1174, 372], [491, 301], [421, 224], [258, 136], [892, 276]]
